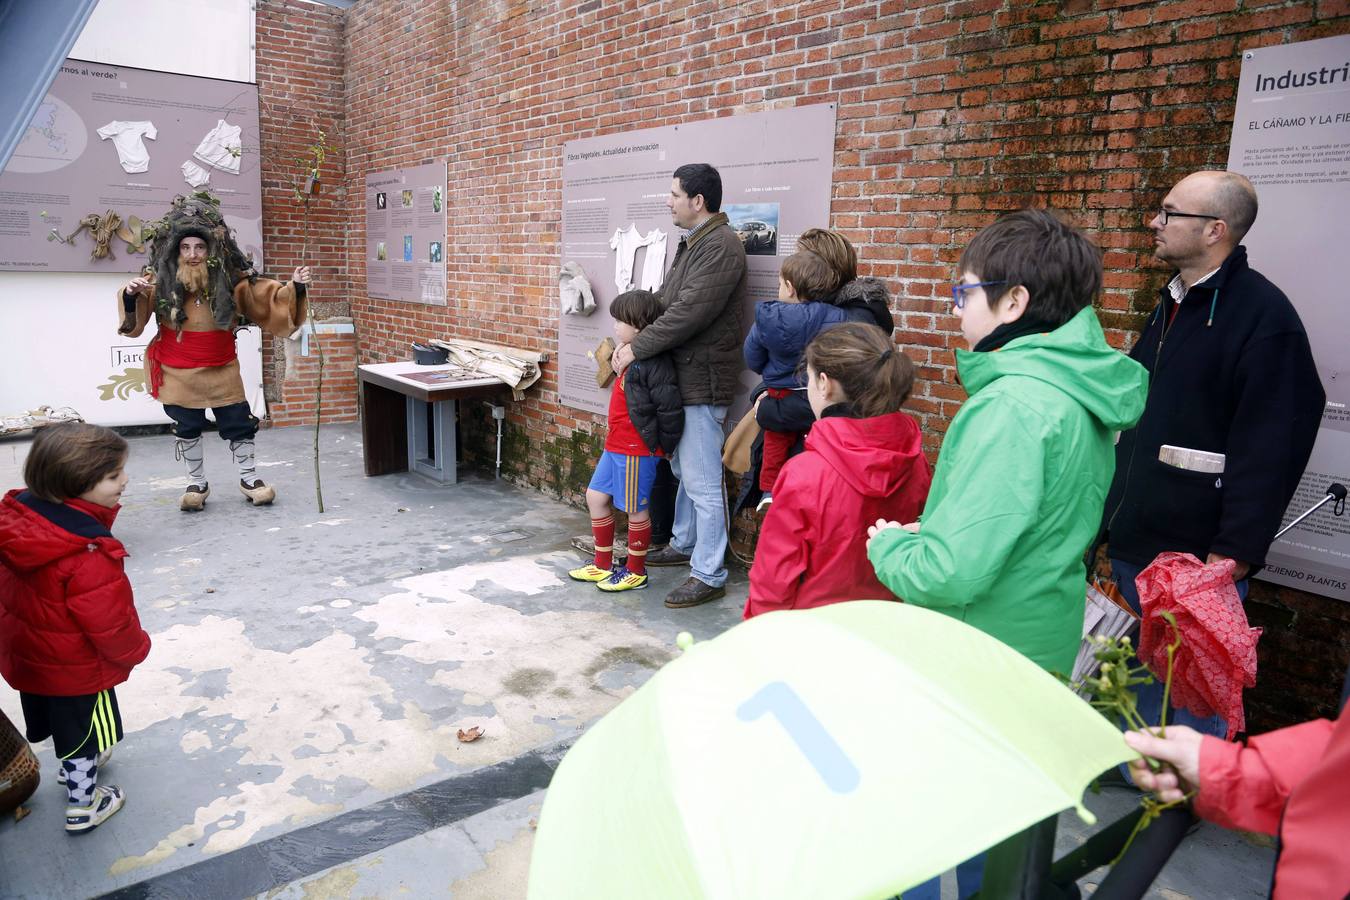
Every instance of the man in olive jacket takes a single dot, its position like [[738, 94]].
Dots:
[[703, 295]]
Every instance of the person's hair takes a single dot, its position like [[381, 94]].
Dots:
[[810, 277], [701, 178], [834, 248], [70, 458], [1234, 201], [636, 308], [1057, 263], [874, 374]]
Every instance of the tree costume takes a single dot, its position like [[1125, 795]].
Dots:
[[191, 365]]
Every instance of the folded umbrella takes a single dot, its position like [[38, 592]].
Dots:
[[1217, 656]]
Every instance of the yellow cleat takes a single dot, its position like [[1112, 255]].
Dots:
[[622, 580], [591, 573]]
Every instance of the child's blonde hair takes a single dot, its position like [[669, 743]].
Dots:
[[874, 374], [70, 458]]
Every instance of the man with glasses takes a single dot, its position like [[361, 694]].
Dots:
[[1233, 408]]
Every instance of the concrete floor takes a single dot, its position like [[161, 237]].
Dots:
[[293, 732]]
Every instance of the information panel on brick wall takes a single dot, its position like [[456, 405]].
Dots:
[[616, 227], [109, 148], [405, 234], [1291, 137]]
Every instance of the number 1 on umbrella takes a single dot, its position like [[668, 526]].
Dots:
[[820, 749]]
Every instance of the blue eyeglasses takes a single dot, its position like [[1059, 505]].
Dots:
[[959, 291]]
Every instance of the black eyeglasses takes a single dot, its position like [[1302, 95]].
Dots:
[[959, 291], [1165, 214]]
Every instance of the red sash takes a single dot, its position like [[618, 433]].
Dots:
[[187, 350]]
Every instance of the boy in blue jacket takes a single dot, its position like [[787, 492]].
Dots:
[[777, 343]]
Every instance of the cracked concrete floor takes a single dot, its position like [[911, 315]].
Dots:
[[308, 664]]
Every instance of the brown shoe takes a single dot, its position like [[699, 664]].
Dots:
[[194, 498], [258, 494], [666, 556], [693, 593]]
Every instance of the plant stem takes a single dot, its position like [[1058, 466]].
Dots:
[[318, 391]]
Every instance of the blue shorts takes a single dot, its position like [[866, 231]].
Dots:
[[628, 479]]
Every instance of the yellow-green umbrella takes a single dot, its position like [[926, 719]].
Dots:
[[850, 751]]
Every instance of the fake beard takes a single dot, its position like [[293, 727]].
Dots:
[[194, 278]]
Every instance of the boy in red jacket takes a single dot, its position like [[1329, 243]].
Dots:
[[68, 626]]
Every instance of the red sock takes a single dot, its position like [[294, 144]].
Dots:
[[639, 539], [603, 529]]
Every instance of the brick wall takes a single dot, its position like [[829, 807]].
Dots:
[[299, 397], [300, 66], [948, 113]]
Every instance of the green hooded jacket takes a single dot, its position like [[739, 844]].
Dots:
[[1018, 492]]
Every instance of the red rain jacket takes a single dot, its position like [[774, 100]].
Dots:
[[68, 625], [1294, 782], [813, 544]]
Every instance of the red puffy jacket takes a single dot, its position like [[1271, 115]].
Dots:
[[1294, 782], [68, 625], [812, 546]]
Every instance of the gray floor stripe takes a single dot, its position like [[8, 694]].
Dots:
[[279, 860]]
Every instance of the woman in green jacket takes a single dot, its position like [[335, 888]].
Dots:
[[1025, 466]]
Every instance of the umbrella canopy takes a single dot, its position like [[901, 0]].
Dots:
[[848, 751], [1217, 657]]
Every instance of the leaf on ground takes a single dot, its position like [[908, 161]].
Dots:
[[469, 735]]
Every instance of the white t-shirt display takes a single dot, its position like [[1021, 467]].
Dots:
[[654, 266], [626, 242], [194, 174], [221, 147], [126, 137]]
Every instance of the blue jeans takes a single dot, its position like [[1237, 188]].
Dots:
[[1149, 696], [700, 511], [969, 876]]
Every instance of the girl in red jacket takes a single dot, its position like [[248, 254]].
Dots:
[[863, 460], [68, 627]]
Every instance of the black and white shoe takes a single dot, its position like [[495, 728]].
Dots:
[[107, 800]]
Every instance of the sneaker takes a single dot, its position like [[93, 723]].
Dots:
[[666, 556], [586, 544], [591, 573], [194, 498], [693, 593], [258, 494], [103, 759], [107, 800], [764, 503], [622, 580]]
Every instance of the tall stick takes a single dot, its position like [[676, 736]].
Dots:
[[318, 391]]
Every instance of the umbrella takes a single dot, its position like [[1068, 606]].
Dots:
[[848, 751], [1217, 657], [1105, 615]]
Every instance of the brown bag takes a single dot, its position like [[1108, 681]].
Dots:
[[19, 774], [736, 449], [604, 372]]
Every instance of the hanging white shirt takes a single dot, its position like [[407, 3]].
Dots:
[[126, 137], [626, 242], [654, 266], [194, 174], [221, 147]]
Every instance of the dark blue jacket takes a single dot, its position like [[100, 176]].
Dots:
[[1232, 374], [777, 341], [655, 408]]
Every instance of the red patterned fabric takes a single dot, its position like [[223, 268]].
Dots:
[[1217, 657]]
